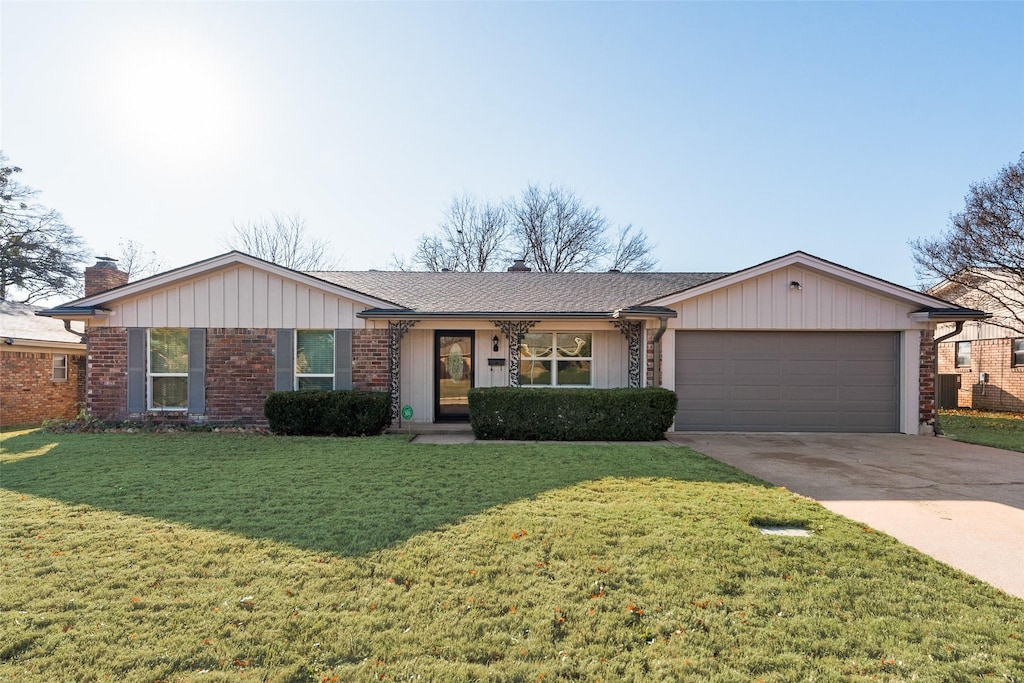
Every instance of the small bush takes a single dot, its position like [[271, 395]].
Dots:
[[571, 414], [328, 413]]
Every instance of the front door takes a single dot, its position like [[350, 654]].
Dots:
[[453, 375]]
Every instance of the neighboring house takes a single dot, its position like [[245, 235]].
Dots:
[[42, 367], [981, 363], [793, 344]]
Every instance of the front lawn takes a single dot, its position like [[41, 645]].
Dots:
[[209, 557], [1001, 430]]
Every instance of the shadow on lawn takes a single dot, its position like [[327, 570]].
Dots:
[[343, 496]]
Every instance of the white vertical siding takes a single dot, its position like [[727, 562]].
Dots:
[[239, 297], [610, 365], [767, 302]]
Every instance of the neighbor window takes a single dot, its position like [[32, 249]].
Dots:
[[556, 359], [60, 367], [1017, 357], [168, 369], [314, 359], [963, 354]]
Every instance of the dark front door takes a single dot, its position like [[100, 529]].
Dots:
[[453, 375]]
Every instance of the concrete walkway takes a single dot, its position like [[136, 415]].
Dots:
[[961, 504]]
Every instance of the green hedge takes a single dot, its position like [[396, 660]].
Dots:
[[334, 413], [571, 414]]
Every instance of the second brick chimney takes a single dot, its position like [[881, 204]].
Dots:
[[103, 276]]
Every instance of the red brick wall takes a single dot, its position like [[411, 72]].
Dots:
[[1005, 387], [107, 369], [28, 393], [926, 380], [370, 360], [239, 374]]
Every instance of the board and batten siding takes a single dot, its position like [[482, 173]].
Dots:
[[768, 302], [239, 297], [610, 367]]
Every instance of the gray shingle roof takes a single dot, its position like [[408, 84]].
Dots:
[[515, 292], [19, 321]]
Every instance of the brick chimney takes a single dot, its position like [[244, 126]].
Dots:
[[519, 266], [103, 276]]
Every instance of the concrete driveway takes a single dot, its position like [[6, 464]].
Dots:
[[961, 504]]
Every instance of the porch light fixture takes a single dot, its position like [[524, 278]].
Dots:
[[795, 285], [495, 343]]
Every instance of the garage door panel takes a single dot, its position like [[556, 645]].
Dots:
[[787, 381], [809, 394]]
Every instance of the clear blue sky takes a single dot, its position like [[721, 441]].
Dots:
[[731, 133]]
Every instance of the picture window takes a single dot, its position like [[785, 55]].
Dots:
[[556, 359]]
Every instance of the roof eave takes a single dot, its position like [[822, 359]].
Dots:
[[947, 315], [622, 313], [75, 312]]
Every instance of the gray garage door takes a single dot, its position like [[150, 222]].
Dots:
[[787, 381]]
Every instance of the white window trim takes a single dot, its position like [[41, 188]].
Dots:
[[554, 358], [295, 354], [150, 375], [1014, 352], [956, 354], [63, 367]]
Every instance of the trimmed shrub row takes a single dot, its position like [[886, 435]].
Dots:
[[328, 413], [571, 414]]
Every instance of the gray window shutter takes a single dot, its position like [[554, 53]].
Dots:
[[136, 369], [284, 363], [343, 359], [196, 371]]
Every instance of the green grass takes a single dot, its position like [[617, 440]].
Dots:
[[208, 557], [1001, 430]]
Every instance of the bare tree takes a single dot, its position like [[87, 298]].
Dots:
[[980, 258], [632, 251], [285, 241], [555, 232], [470, 239], [136, 260], [40, 255]]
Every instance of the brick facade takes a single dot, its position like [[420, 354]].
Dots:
[[107, 368], [926, 383], [1004, 390], [370, 360], [239, 374], [29, 394]]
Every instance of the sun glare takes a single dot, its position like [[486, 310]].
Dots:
[[174, 102]]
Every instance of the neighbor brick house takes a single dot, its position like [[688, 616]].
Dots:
[[797, 343], [981, 362], [42, 367]]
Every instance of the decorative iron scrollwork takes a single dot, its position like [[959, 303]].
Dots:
[[514, 331], [630, 329], [396, 330]]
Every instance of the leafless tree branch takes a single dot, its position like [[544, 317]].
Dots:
[[284, 240], [979, 259]]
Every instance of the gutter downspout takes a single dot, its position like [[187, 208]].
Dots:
[[957, 329], [80, 335], [656, 342]]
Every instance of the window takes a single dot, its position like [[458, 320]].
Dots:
[[314, 359], [1017, 355], [168, 369], [60, 367], [963, 354], [556, 359]]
